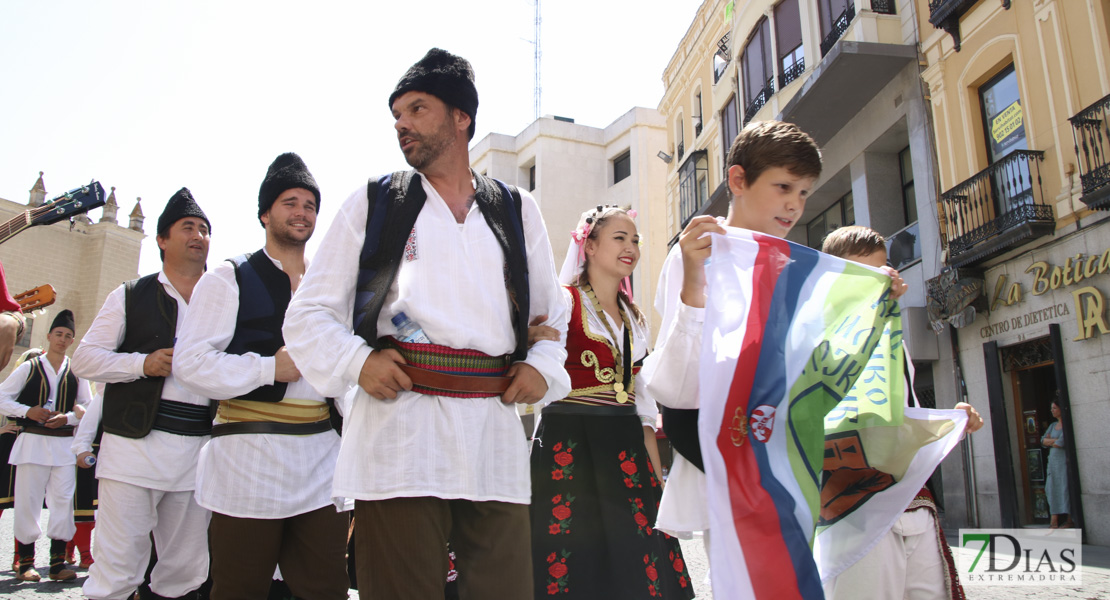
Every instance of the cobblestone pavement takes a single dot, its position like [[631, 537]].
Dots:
[[1095, 586]]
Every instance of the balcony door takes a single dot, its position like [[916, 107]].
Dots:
[[1004, 126]]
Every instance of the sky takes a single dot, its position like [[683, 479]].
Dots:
[[149, 97]]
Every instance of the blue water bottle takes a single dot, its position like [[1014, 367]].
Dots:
[[408, 331]]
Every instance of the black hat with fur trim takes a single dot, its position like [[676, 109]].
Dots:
[[181, 205], [287, 171], [445, 76], [64, 319]]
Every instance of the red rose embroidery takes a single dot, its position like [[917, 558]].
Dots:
[[648, 529], [628, 467], [557, 447], [640, 504], [646, 559], [551, 557], [682, 581], [557, 475], [651, 469], [623, 455], [641, 520], [557, 499], [627, 483], [561, 512], [557, 570], [553, 529], [552, 589], [678, 565], [651, 590], [652, 575], [564, 458]]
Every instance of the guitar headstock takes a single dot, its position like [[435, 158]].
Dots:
[[71, 203], [36, 298]]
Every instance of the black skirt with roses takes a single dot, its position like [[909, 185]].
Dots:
[[594, 501]]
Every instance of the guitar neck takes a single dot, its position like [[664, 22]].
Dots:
[[20, 222]]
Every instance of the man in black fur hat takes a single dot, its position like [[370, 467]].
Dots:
[[267, 473], [41, 395], [440, 267], [153, 427]]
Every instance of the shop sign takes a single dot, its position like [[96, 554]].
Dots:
[[1088, 302]]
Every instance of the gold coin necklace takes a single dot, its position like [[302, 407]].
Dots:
[[623, 360]]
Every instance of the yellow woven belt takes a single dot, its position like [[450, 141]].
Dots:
[[289, 410]]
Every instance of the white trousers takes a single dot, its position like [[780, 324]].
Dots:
[[126, 517], [906, 563], [33, 483]]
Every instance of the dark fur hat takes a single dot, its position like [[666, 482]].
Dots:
[[445, 76], [64, 319], [287, 171], [181, 205]]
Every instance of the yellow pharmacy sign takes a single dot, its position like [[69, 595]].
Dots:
[[1006, 123]]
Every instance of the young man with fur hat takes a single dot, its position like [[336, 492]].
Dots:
[[433, 450], [266, 474], [153, 427], [41, 395]]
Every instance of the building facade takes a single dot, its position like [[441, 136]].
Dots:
[[83, 260], [1018, 91], [570, 167]]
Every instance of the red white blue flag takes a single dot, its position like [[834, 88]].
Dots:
[[802, 367]]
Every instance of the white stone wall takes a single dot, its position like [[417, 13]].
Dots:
[[82, 267]]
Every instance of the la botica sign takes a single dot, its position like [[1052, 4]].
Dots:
[[1088, 303]]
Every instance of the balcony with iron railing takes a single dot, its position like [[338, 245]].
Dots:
[[945, 14], [760, 99], [792, 72], [996, 209], [883, 7], [722, 57], [1091, 133], [839, 26]]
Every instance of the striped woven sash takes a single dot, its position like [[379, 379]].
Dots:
[[289, 410], [469, 368]]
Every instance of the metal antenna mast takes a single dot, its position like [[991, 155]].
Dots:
[[538, 90]]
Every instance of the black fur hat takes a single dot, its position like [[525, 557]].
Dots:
[[287, 171], [181, 205], [445, 76], [64, 319]]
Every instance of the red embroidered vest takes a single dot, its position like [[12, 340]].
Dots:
[[591, 362]]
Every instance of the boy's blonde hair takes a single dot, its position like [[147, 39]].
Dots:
[[764, 145], [853, 240]]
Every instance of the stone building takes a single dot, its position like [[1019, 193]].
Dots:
[[83, 260], [1019, 94], [569, 167]]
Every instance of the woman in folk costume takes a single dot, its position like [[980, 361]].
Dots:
[[595, 463]]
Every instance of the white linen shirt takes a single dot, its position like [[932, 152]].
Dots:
[[452, 283], [256, 476], [160, 460], [671, 377], [29, 448]]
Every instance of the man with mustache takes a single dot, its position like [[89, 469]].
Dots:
[[434, 454], [153, 427], [266, 475]]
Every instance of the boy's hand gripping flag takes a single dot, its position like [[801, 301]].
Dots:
[[803, 370]]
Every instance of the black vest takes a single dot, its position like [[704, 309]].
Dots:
[[395, 203], [264, 295], [36, 390], [150, 323]]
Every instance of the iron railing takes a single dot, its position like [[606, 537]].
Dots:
[[839, 26], [885, 7], [1001, 197], [693, 189], [792, 72], [725, 54], [760, 99], [1091, 131]]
